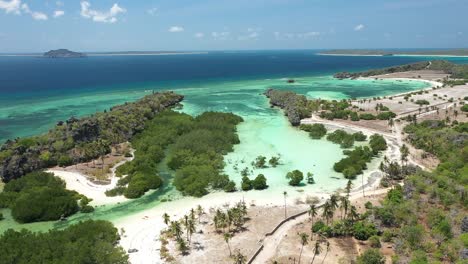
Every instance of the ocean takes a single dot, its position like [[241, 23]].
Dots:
[[35, 93]]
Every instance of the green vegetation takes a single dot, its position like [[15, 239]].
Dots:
[[296, 107], [427, 234], [456, 71], [464, 108], [246, 184], [387, 52], [344, 139], [86, 242], [80, 140], [194, 148], [355, 162], [316, 131], [260, 182], [377, 143], [40, 196], [260, 162], [357, 159], [295, 177], [274, 161], [371, 256], [422, 102]]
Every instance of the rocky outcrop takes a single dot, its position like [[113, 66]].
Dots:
[[78, 140], [294, 105]]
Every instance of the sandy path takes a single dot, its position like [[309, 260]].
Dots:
[[271, 243]]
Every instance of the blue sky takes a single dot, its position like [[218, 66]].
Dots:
[[115, 25]]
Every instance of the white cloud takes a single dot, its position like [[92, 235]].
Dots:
[[59, 13], [199, 35], [12, 6], [252, 33], [175, 29], [359, 27], [301, 35], [308, 34], [99, 16], [221, 35], [35, 15], [152, 11]]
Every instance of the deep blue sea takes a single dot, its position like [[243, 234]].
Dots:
[[33, 90]]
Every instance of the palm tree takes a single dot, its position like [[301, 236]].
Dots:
[[317, 249], [228, 237], [190, 229], [326, 253], [192, 214], [327, 212], [404, 154], [334, 201], [353, 214], [312, 214], [182, 245], [348, 188], [166, 219], [239, 258], [186, 223], [284, 194], [344, 205], [391, 123], [304, 241], [200, 212], [176, 229]]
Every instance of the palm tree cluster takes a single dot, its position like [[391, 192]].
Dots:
[[393, 171], [187, 224], [348, 214], [234, 216]]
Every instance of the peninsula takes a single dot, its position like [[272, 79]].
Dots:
[[399, 52]]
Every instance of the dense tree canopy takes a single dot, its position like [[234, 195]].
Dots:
[[40, 196], [193, 148], [92, 242], [79, 140]]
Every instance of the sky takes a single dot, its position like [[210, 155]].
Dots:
[[192, 25]]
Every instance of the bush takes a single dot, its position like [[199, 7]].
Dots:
[[260, 182], [39, 196], [295, 177], [260, 162], [230, 187], [386, 115], [422, 102], [362, 231], [316, 131], [318, 226], [274, 161], [371, 256], [387, 236], [377, 143], [359, 136], [367, 116], [85, 242], [464, 108], [246, 184], [374, 242]]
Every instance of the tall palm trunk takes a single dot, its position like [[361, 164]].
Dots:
[[313, 259], [326, 253], [300, 254]]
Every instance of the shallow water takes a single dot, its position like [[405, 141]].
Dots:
[[265, 131]]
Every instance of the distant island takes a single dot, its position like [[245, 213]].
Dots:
[[63, 53], [364, 52]]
